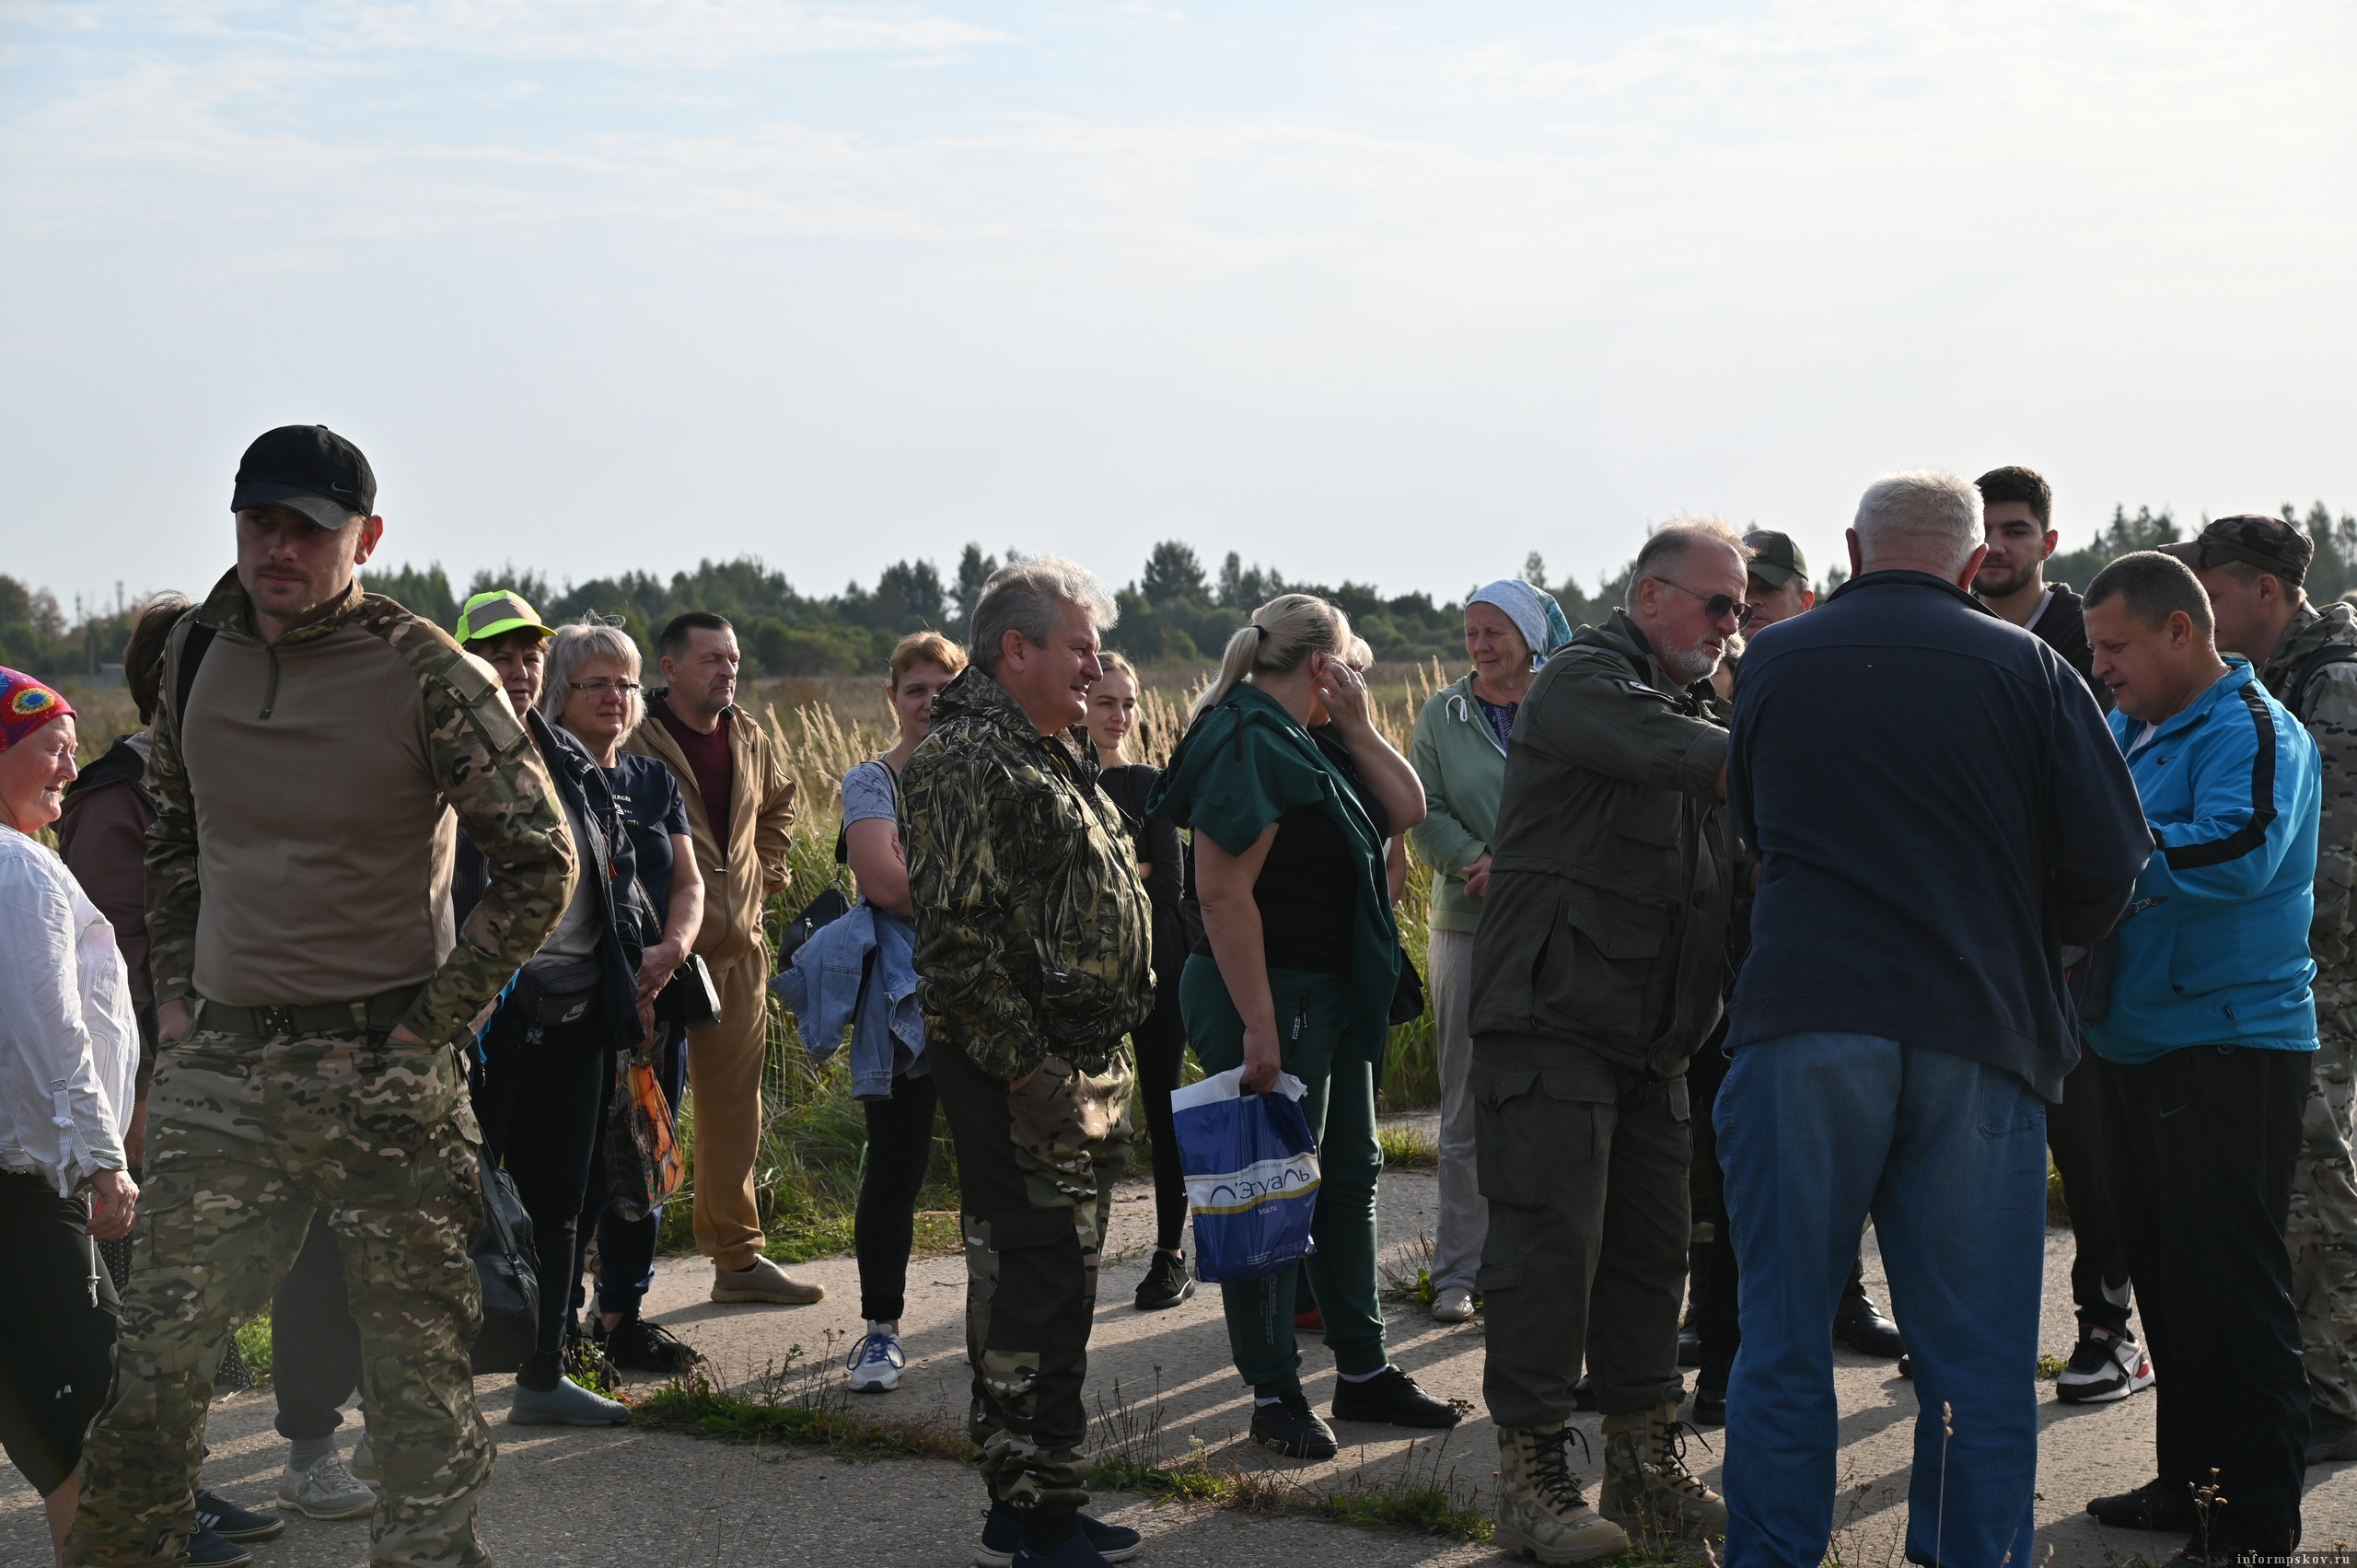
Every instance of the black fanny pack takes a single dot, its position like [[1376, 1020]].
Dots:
[[550, 996]]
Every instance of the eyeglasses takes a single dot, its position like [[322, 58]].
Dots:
[[600, 688], [1718, 607]]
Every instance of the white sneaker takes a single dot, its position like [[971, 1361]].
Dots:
[[2105, 1367], [1453, 1305], [876, 1361], [363, 1460], [326, 1490]]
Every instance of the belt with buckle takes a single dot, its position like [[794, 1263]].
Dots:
[[377, 1013]]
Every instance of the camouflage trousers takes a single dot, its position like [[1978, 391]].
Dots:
[[1036, 1170], [2322, 1230], [246, 1139]]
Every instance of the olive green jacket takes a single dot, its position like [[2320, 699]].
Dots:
[[2326, 701], [1033, 935], [1613, 867]]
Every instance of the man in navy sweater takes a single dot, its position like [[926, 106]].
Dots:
[[1937, 808]]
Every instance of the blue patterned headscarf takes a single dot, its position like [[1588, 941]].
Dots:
[[1534, 612]]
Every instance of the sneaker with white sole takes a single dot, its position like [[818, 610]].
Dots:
[[2105, 1367], [876, 1361], [326, 1490], [1453, 1305]]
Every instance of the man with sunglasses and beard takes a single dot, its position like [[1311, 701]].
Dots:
[[1595, 977]]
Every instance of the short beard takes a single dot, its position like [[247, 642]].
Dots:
[[1687, 666], [1991, 584]]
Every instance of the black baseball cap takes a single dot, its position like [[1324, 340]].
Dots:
[[1775, 559], [309, 469], [2254, 539]]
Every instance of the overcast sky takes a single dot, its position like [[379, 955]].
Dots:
[[1393, 292]]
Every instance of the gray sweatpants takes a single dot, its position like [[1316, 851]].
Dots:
[[1464, 1213]]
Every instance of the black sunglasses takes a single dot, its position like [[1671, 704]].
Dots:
[[1715, 606]]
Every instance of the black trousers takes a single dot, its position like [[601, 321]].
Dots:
[[2200, 1145], [1161, 1046], [899, 1151], [541, 1105], [58, 1320], [314, 1343], [2075, 1137]]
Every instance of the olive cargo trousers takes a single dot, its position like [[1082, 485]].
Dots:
[[1036, 1168], [1585, 1166]]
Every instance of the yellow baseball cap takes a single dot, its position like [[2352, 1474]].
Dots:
[[489, 614]]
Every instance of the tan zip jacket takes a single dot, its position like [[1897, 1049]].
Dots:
[[751, 867]]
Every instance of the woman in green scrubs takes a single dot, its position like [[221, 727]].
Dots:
[[1297, 969]]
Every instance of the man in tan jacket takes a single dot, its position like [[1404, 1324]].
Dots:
[[740, 814]]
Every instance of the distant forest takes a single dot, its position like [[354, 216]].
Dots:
[[1175, 612]]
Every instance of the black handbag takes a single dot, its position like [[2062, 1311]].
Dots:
[[511, 1286], [688, 999], [828, 906]]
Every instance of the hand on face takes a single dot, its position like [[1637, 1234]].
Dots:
[[1341, 692]]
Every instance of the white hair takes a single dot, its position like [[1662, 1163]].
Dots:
[[1026, 596], [1667, 548], [593, 636], [1923, 513]]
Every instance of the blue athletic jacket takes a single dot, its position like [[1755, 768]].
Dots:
[[2213, 950]]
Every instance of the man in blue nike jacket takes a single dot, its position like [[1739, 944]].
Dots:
[[2208, 1024]]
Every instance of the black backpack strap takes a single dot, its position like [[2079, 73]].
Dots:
[[2295, 691], [200, 637]]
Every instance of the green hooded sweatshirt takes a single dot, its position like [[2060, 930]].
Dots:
[[1244, 764]]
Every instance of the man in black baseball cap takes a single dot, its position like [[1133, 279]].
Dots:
[[306, 501], [309, 469]]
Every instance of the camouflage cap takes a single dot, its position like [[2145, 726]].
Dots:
[[2256, 539], [1775, 559], [489, 614]]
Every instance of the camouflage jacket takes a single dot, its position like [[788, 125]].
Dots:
[[302, 842], [2327, 703], [1034, 936]]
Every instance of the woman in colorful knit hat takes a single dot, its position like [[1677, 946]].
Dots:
[[69, 1059]]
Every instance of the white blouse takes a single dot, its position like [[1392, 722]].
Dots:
[[69, 1040]]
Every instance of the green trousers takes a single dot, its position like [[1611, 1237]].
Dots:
[[247, 1140], [1341, 1109]]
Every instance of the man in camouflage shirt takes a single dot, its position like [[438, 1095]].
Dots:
[[2253, 567], [1033, 939], [312, 744]]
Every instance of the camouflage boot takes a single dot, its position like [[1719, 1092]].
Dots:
[[1541, 1510], [1646, 1485]]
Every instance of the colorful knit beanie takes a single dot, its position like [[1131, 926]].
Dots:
[[25, 705]]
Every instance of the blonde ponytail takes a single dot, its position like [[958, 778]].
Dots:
[[1282, 634]]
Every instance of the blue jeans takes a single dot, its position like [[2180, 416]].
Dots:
[[1815, 1131]]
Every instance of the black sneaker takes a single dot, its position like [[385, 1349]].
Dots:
[[637, 1345], [1690, 1345], [225, 1519], [1076, 1550], [1003, 1539], [1292, 1429], [2156, 1505], [2105, 1367], [1167, 1283], [2330, 1436], [1584, 1393], [1860, 1324], [207, 1549], [1390, 1396], [1907, 1366]]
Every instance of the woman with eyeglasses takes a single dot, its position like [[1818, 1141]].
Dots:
[[592, 692], [547, 1051]]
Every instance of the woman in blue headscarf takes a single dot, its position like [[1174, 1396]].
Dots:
[[1461, 754]]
